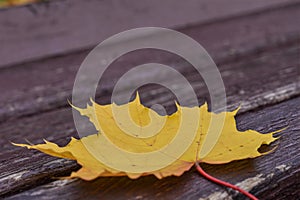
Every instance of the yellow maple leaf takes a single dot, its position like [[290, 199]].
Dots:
[[121, 148]]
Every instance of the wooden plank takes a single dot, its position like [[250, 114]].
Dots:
[[274, 176], [57, 27], [268, 71], [51, 80], [277, 70]]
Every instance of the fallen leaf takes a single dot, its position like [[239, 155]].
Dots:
[[231, 145]]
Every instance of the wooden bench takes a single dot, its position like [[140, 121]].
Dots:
[[256, 46]]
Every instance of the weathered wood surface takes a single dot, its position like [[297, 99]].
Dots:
[[45, 85], [258, 57], [52, 27], [57, 125], [274, 176], [249, 82]]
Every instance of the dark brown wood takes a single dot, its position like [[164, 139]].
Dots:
[[257, 53], [56, 27], [276, 70], [45, 85], [268, 177], [57, 125]]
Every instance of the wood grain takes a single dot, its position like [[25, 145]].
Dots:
[[257, 53], [263, 79], [45, 85], [268, 177], [57, 125]]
